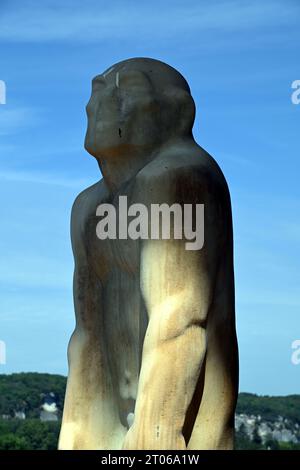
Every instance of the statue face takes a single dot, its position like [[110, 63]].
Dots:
[[122, 111]]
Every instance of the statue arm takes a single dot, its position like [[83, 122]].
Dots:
[[89, 418], [177, 287]]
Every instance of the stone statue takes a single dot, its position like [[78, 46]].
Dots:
[[153, 360]]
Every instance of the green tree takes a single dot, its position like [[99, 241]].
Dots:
[[12, 442]]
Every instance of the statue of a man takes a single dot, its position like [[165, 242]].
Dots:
[[153, 359]]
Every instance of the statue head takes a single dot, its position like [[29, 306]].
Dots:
[[136, 106]]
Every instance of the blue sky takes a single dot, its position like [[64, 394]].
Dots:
[[240, 58]]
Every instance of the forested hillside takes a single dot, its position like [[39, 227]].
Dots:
[[31, 405]]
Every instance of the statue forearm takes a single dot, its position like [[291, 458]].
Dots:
[[169, 373]]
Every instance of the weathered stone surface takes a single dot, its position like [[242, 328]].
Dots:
[[153, 358]]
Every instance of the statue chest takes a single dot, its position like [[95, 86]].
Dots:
[[110, 245]]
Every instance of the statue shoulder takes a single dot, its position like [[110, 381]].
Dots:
[[84, 207], [184, 174], [86, 200]]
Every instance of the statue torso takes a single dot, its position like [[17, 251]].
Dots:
[[116, 264]]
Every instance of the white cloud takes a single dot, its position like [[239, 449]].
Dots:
[[44, 178], [57, 21], [12, 120]]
